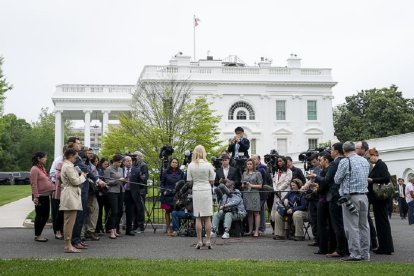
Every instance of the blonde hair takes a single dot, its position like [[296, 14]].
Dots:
[[199, 152]]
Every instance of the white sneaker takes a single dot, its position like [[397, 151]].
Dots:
[[225, 235], [213, 235]]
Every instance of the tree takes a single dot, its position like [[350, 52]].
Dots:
[[40, 138], [4, 86], [164, 114], [374, 113], [12, 132], [19, 140]]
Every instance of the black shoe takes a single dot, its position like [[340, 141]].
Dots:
[[298, 238], [320, 252], [278, 238], [129, 234], [380, 252]]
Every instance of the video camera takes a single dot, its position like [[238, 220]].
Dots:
[[216, 162], [271, 159], [305, 157], [188, 154], [166, 151]]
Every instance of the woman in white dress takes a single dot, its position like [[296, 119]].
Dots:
[[201, 173]]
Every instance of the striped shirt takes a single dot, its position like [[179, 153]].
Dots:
[[354, 180]]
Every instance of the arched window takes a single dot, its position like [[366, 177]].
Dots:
[[243, 108], [241, 115]]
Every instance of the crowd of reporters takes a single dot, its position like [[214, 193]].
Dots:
[[83, 188]]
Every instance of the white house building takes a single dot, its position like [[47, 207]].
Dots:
[[285, 108], [397, 152]]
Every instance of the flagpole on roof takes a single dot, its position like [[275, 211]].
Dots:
[[194, 26]]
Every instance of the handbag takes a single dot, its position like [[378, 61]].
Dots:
[[383, 191]]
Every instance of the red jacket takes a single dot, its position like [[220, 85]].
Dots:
[[40, 182]]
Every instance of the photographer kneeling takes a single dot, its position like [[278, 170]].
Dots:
[[231, 208], [294, 204]]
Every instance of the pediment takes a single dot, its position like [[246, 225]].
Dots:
[[313, 131], [282, 131]]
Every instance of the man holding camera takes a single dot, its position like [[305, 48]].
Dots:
[[352, 176], [239, 145], [231, 208]]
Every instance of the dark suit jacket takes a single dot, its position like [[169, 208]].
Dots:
[[232, 175], [379, 174], [135, 188], [244, 145]]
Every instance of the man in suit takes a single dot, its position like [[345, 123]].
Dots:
[[402, 203], [131, 195], [239, 145], [227, 172], [140, 175]]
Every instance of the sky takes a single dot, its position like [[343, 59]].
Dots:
[[44, 43]]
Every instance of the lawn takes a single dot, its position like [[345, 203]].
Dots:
[[10, 193], [197, 267]]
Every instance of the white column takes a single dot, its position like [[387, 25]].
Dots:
[[87, 133], [105, 121], [58, 133]]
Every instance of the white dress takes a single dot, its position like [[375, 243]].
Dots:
[[201, 175]]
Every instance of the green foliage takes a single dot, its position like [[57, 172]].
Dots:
[[4, 86], [164, 114], [19, 140], [12, 132], [374, 113], [82, 266]]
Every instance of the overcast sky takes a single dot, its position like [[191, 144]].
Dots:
[[45, 43]]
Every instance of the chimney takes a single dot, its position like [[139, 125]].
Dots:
[[293, 61]]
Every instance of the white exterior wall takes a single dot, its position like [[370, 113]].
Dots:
[[260, 87], [397, 152]]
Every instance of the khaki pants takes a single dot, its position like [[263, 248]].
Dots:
[[297, 217], [93, 211], [69, 218]]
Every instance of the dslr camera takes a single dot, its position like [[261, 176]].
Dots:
[[351, 207]]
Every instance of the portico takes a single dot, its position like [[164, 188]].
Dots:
[[87, 103]]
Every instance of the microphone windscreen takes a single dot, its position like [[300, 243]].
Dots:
[[218, 192], [224, 189], [267, 188], [179, 185]]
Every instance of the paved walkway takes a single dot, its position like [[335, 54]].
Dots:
[[13, 215], [19, 243]]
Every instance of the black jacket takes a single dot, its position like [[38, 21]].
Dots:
[[244, 145], [379, 175], [232, 175]]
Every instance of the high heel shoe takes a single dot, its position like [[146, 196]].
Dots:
[[199, 245], [208, 244]]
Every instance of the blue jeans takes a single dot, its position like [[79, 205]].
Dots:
[[80, 217], [177, 215], [411, 212]]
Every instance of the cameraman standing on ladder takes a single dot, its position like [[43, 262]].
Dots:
[[352, 176], [239, 145]]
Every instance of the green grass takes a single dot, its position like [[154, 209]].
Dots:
[[197, 267], [10, 193]]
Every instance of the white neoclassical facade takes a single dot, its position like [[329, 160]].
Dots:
[[286, 108], [397, 152]]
